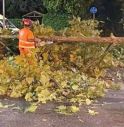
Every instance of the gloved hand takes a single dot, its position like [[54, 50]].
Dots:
[[40, 43]]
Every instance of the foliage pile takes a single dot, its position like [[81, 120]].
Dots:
[[42, 30], [76, 28], [5, 32], [82, 28], [118, 53], [7, 42], [55, 72], [70, 73]]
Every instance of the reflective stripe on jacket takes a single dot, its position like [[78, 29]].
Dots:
[[25, 35]]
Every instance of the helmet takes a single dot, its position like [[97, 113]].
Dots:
[[27, 22]]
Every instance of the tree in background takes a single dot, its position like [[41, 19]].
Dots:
[[122, 20], [112, 9], [18, 8], [111, 12], [73, 7]]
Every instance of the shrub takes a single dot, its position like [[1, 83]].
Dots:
[[5, 32], [56, 21], [17, 22], [55, 72]]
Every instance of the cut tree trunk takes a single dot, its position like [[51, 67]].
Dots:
[[97, 40]]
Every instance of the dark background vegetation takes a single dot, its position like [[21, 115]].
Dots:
[[111, 12]]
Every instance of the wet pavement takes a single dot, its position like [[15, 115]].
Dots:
[[110, 114]]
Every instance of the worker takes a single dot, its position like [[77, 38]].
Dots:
[[27, 41], [26, 38]]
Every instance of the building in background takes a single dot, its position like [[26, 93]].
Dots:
[[34, 15]]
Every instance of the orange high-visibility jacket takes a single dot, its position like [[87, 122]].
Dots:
[[25, 35]]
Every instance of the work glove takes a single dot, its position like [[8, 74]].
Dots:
[[40, 43]]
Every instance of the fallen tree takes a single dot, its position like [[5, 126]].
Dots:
[[84, 39], [58, 39], [70, 74]]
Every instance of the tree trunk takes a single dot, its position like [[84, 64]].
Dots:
[[58, 39], [97, 40]]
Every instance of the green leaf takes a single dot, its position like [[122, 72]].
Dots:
[[62, 107], [29, 80], [74, 109], [75, 87], [5, 106], [29, 96], [1, 105], [92, 112], [3, 90], [88, 101], [31, 108]]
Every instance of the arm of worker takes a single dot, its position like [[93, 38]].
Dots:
[[31, 38], [37, 42]]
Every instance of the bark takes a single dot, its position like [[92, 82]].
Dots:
[[97, 40]]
